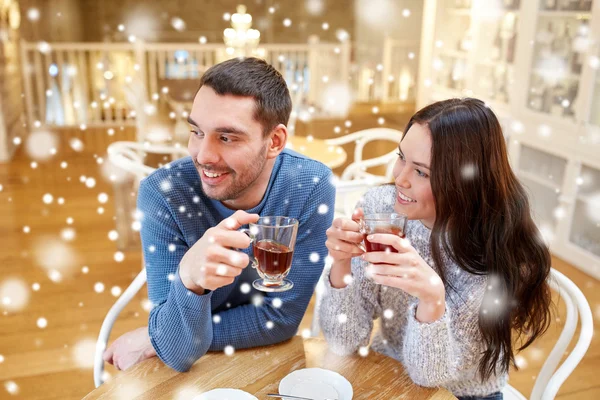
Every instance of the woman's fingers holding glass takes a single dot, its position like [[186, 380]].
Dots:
[[340, 246], [392, 270], [388, 241], [358, 214], [389, 257], [345, 235], [407, 285]]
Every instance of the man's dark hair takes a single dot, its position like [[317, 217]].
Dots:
[[255, 78]]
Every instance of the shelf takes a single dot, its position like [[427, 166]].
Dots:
[[454, 54], [588, 199], [463, 12], [541, 181], [568, 75], [566, 14], [493, 64]]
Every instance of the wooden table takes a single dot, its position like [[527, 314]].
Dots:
[[318, 149], [258, 371]]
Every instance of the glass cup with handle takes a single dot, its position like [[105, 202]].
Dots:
[[392, 223], [273, 239]]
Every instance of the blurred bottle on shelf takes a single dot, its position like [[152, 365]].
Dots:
[[511, 47], [547, 98], [549, 4], [564, 5], [581, 45], [561, 46], [581, 5], [511, 4], [559, 95], [572, 99], [502, 84], [536, 94], [466, 43], [497, 45], [545, 39]]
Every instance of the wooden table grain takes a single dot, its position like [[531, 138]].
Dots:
[[258, 371]]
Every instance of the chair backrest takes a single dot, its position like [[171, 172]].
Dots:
[[355, 179], [357, 169], [550, 378], [130, 156]]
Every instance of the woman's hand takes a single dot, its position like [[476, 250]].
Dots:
[[406, 270], [343, 240]]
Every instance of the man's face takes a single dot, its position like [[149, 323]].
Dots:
[[227, 145]]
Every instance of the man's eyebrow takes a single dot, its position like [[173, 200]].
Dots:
[[420, 164], [231, 129], [221, 129], [191, 121]]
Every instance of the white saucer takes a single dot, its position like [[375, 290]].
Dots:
[[316, 383], [225, 394]]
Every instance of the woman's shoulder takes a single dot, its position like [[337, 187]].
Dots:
[[378, 199]]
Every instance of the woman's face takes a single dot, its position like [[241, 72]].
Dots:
[[411, 174]]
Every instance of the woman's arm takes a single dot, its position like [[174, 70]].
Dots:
[[346, 315]]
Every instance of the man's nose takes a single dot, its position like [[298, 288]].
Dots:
[[208, 152]]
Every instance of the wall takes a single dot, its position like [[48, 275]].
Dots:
[[59, 21], [11, 103], [376, 19], [152, 20]]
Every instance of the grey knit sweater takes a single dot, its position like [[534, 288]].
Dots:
[[444, 353]]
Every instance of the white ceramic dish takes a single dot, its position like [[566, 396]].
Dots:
[[225, 394], [316, 383]]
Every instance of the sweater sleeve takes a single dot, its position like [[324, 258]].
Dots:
[[438, 352], [179, 324], [277, 317], [346, 315]]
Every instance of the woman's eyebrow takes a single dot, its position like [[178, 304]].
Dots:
[[420, 164]]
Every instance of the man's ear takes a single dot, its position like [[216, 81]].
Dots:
[[277, 140]]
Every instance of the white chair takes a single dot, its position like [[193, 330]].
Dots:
[[551, 376], [109, 321], [129, 157], [355, 180]]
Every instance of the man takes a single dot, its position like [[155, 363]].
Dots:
[[198, 282]]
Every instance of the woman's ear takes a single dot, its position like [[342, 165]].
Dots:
[[277, 140]]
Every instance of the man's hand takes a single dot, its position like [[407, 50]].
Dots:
[[129, 349], [211, 263]]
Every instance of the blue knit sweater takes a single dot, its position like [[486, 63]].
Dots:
[[175, 213]]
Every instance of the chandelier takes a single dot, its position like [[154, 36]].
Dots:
[[240, 38]]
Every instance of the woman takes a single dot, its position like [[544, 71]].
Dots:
[[469, 278]]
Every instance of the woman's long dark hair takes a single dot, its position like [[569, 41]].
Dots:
[[483, 222]]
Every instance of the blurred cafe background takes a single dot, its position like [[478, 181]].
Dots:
[[95, 94]]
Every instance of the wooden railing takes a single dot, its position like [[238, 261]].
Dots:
[[118, 84]]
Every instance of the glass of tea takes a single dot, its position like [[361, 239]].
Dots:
[[392, 223], [273, 241]]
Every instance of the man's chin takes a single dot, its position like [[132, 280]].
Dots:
[[217, 194]]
